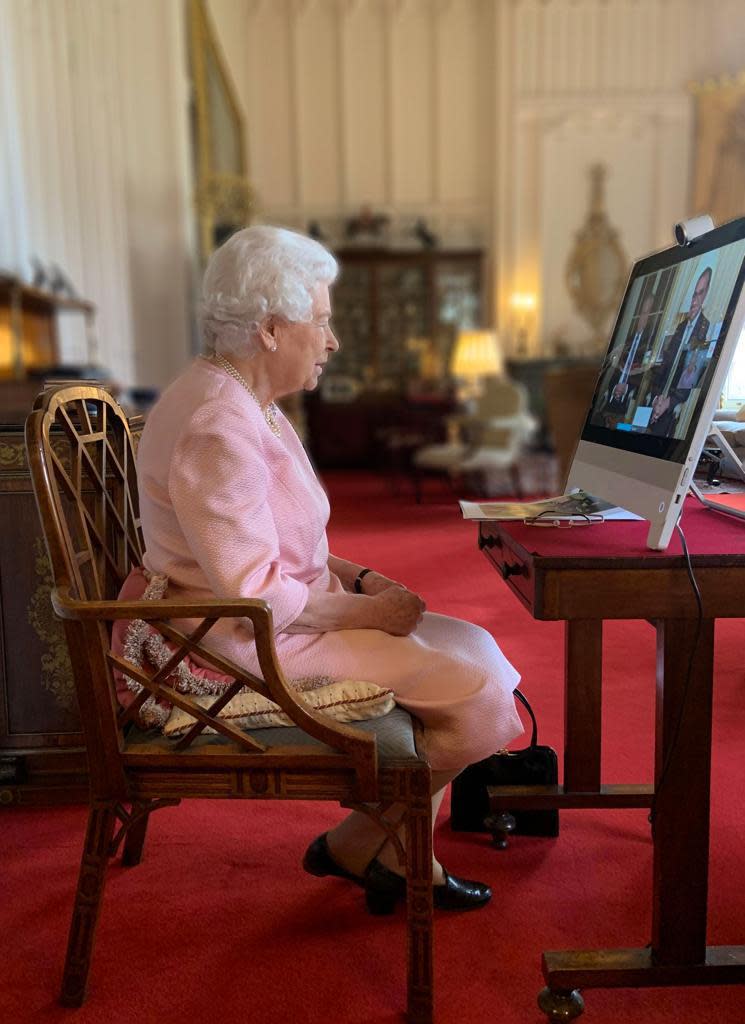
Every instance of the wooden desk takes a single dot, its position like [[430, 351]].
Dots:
[[584, 576]]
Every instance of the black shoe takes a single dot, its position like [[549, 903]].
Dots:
[[384, 888], [318, 861]]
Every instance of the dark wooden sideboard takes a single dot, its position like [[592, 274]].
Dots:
[[42, 758]]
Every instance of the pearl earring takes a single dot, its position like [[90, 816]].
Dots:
[[274, 347]]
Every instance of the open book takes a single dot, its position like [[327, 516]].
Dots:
[[577, 505]]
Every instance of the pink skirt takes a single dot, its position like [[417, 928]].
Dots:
[[449, 673]]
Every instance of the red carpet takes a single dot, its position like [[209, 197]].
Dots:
[[219, 924]]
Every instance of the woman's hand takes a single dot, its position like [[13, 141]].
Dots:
[[375, 583], [397, 611]]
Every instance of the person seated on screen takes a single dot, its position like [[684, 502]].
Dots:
[[666, 408], [231, 507], [628, 365]]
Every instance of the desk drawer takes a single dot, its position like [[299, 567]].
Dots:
[[511, 566]]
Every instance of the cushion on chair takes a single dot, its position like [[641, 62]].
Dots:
[[394, 732], [439, 456], [140, 643], [345, 701]]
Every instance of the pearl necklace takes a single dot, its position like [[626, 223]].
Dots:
[[270, 413]]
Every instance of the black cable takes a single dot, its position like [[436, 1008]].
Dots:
[[679, 720]]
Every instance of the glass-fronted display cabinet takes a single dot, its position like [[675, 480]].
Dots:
[[396, 314]]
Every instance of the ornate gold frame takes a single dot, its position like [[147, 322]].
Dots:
[[719, 174], [596, 250], [223, 196]]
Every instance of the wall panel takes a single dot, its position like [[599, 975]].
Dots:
[[412, 101], [367, 125], [434, 108], [316, 103], [267, 105]]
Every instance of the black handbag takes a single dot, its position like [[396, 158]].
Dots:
[[535, 765]]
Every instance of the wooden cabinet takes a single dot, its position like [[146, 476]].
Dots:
[[396, 315], [29, 327], [42, 758], [375, 431], [384, 298]]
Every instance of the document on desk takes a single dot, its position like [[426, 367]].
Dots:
[[575, 506]]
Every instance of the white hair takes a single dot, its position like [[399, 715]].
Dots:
[[260, 271]]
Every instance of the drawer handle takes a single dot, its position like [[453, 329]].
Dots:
[[512, 570]]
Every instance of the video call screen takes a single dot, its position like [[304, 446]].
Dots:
[[664, 350]]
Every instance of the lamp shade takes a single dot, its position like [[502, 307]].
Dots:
[[477, 354]]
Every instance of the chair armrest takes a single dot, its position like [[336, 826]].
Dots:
[[68, 607], [359, 745]]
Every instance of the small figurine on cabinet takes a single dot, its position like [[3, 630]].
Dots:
[[367, 226], [40, 273], [425, 236], [60, 283], [315, 231]]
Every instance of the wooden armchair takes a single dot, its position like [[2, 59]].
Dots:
[[82, 466], [490, 440]]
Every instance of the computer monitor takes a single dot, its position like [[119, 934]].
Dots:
[[678, 326]]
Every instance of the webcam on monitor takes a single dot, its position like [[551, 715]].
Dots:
[[687, 231]]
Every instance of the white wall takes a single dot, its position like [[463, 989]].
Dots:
[[480, 115], [483, 115], [371, 101], [94, 167]]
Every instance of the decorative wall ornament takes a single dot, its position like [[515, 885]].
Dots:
[[56, 670], [719, 176], [597, 266]]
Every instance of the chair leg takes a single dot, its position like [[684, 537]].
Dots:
[[101, 821], [420, 993], [135, 840]]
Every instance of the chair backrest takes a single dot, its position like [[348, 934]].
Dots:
[[82, 465], [501, 397], [500, 420], [81, 460], [83, 470]]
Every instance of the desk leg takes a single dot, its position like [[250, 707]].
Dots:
[[583, 656], [678, 955], [681, 824]]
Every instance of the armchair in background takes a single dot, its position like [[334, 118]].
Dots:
[[485, 442], [728, 435]]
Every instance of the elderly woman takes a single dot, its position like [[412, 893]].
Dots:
[[231, 507]]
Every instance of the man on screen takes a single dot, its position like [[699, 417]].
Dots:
[[683, 361], [629, 362]]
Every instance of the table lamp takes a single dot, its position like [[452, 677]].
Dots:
[[476, 355]]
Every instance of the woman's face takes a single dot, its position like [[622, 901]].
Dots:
[[304, 348]]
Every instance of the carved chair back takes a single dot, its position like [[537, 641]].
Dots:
[[81, 458]]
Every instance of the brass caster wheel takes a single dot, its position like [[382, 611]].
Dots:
[[560, 1005]]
